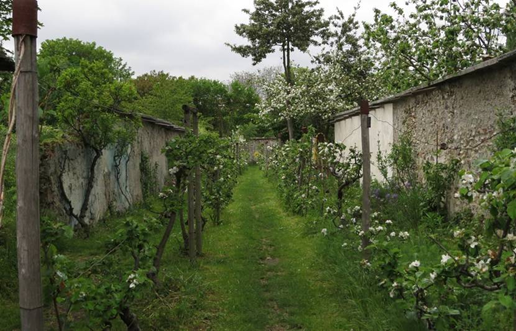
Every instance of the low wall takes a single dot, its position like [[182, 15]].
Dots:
[[117, 186], [259, 145]]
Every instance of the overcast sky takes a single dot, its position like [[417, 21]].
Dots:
[[182, 37]]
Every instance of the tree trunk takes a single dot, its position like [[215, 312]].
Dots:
[[89, 189], [184, 232], [290, 127], [198, 189], [130, 319], [153, 275], [191, 218], [160, 249], [198, 210]]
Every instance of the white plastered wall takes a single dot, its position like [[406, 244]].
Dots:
[[381, 134]]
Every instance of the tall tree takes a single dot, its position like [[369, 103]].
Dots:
[[348, 61], [6, 7], [242, 105], [84, 87], [511, 25], [59, 55], [437, 38], [283, 24], [163, 95], [210, 97], [5, 33]]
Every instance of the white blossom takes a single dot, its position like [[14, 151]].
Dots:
[[404, 235], [415, 264], [445, 258]]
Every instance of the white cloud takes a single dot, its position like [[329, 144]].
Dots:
[[183, 37]]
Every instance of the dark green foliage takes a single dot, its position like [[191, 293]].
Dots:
[[284, 24], [436, 38], [162, 95], [287, 24], [506, 139], [65, 57], [408, 196], [344, 50], [5, 19], [148, 177]]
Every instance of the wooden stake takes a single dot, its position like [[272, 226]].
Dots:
[[191, 217], [27, 178], [198, 192], [366, 180]]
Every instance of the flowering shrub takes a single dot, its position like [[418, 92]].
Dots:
[[219, 164], [102, 288], [409, 195], [471, 261], [308, 171]]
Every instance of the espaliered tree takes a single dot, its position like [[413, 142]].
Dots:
[[83, 88], [87, 110], [284, 24]]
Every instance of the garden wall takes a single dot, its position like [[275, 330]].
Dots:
[[259, 145], [118, 185], [347, 131], [454, 117], [459, 117]]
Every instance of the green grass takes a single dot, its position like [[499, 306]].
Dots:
[[268, 272], [263, 269]]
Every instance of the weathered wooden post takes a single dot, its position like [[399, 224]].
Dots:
[[238, 156], [25, 31], [198, 192], [366, 180], [191, 225], [267, 158]]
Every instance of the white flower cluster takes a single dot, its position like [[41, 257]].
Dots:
[[132, 280], [415, 264], [404, 235], [445, 258], [173, 171]]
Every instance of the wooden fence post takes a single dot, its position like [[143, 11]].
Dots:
[[198, 192], [366, 180], [25, 17], [191, 215], [238, 157]]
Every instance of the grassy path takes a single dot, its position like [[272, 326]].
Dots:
[[263, 269]]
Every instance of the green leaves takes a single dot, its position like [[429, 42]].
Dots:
[[506, 301], [279, 23], [437, 38], [511, 209]]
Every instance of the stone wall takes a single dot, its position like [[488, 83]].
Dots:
[[381, 135], [259, 145], [458, 117], [116, 188], [453, 118]]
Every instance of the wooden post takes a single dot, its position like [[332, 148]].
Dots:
[[191, 217], [366, 180], [238, 157], [198, 192], [267, 158], [25, 18]]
